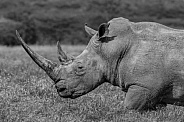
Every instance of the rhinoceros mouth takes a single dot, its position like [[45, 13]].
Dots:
[[65, 94], [70, 94]]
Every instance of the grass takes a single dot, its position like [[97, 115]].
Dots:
[[27, 94]]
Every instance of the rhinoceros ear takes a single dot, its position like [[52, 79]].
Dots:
[[103, 30], [90, 31]]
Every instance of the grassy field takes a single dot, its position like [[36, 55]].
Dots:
[[27, 94]]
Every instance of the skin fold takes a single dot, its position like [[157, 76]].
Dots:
[[145, 59]]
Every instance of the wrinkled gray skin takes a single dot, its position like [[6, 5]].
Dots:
[[145, 59]]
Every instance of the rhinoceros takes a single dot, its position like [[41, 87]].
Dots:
[[145, 59]]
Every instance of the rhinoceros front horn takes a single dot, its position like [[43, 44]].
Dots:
[[48, 66]]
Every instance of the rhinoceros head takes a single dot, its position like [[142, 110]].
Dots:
[[97, 64]]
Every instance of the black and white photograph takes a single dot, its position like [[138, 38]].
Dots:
[[91, 60]]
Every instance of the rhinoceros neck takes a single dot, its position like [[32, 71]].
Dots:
[[115, 66]]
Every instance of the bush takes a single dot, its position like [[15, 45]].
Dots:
[[46, 21], [7, 32]]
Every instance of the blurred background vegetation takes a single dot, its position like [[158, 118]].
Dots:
[[47, 21]]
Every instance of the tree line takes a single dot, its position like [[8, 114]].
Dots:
[[47, 21]]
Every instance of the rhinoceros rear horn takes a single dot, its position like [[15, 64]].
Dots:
[[63, 58], [48, 66]]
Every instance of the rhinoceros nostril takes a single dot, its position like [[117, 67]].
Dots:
[[61, 89]]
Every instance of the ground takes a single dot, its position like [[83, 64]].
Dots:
[[27, 94]]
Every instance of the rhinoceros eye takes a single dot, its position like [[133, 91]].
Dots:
[[80, 67], [80, 70]]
